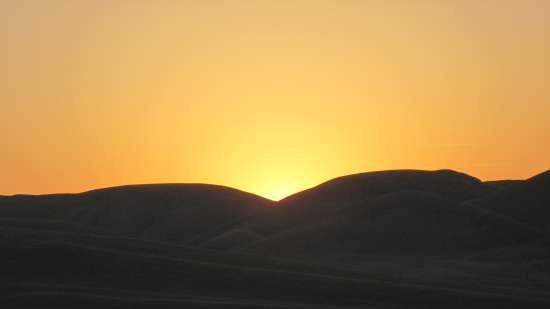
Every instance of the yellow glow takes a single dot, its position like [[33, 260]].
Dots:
[[270, 97], [278, 191]]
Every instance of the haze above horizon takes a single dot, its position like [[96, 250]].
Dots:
[[270, 97]]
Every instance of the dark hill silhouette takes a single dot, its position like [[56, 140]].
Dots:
[[497, 185], [341, 192], [337, 201], [182, 213], [394, 239], [526, 201], [401, 222], [452, 184]]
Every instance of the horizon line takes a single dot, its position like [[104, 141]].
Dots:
[[256, 194]]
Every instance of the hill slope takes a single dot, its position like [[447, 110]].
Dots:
[[526, 201], [182, 213], [394, 212], [396, 239]]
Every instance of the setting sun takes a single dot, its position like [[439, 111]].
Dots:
[[281, 188], [278, 192]]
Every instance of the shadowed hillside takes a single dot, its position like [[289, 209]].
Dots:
[[398, 212], [453, 185], [395, 239], [183, 213], [527, 201], [336, 195], [403, 222]]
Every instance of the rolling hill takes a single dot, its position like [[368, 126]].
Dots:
[[394, 239], [180, 213]]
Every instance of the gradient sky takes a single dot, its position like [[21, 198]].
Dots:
[[269, 97]]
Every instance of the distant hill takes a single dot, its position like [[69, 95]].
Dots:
[[526, 201], [341, 192], [183, 213], [389, 239], [453, 185], [393, 212], [407, 211]]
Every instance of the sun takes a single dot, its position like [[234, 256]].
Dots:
[[279, 190]]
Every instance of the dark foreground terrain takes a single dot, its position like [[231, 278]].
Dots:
[[395, 239]]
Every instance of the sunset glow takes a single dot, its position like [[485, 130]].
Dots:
[[270, 97]]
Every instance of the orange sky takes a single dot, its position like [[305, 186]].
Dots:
[[269, 97]]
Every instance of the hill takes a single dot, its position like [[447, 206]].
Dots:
[[394, 212], [182, 213], [526, 201], [393, 239]]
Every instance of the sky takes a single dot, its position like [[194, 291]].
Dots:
[[269, 96]]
